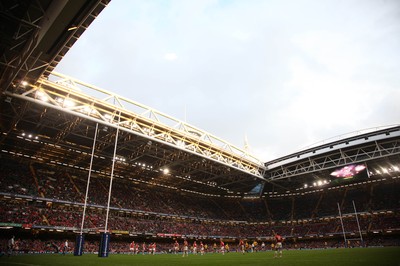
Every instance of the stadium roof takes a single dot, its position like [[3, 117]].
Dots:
[[49, 118], [54, 123], [35, 35], [378, 151]]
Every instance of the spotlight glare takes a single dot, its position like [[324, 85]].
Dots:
[[69, 103]]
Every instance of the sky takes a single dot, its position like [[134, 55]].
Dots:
[[277, 75]]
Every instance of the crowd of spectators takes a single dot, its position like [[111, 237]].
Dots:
[[142, 210], [59, 215]]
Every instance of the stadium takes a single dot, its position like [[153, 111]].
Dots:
[[83, 164]]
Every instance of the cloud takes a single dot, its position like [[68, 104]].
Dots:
[[170, 56], [287, 73]]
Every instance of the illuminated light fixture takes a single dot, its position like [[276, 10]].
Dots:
[[166, 171], [42, 96], [87, 109], [69, 103], [72, 28], [396, 168], [385, 170], [23, 134], [314, 184], [24, 83], [180, 143], [305, 186], [30, 136]]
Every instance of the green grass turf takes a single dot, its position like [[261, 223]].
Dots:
[[358, 256]]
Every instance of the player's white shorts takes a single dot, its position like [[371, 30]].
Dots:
[[185, 248], [278, 245], [131, 249]]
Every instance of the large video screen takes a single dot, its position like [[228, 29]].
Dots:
[[349, 172]]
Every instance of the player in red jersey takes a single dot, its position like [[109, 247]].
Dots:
[[137, 249], [201, 248], [278, 245], [222, 246], [185, 248], [195, 248], [176, 247], [241, 246], [132, 247]]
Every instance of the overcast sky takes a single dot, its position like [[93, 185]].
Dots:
[[286, 74]]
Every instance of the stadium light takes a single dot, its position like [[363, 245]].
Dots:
[[42, 96], [166, 171], [69, 103], [107, 116], [66, 102], [87, 109]]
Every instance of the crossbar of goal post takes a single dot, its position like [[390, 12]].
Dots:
[[80, 238]]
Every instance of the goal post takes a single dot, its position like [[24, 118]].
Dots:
[[78, 251], [347, 241]]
